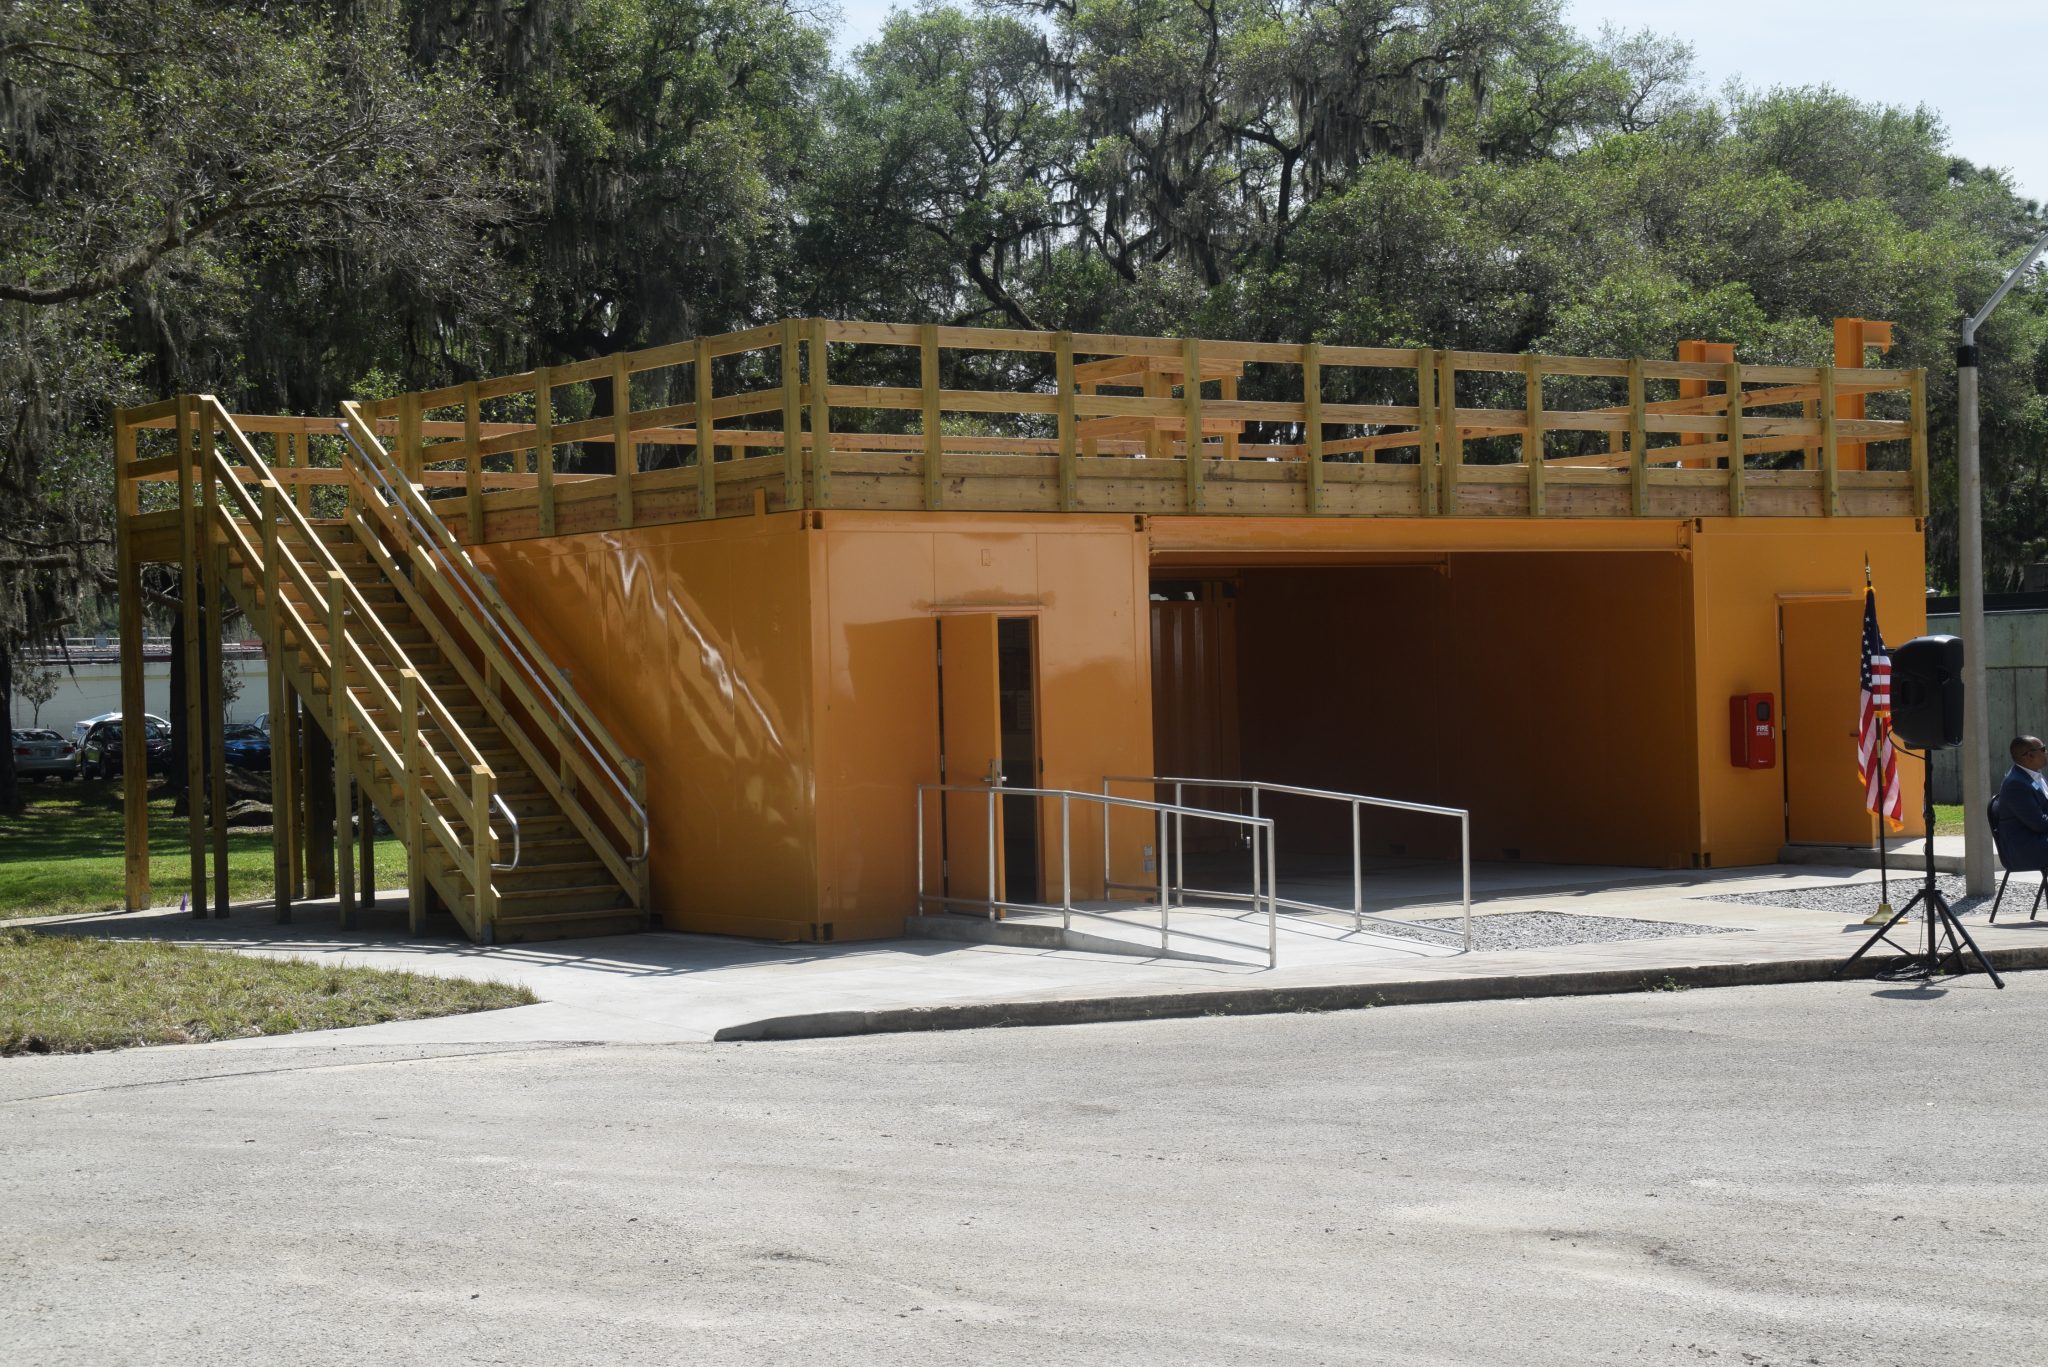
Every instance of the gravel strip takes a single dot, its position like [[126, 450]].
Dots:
[[1543, 929], [1860, 899]]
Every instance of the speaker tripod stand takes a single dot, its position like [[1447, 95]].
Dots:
[[1946, 937]]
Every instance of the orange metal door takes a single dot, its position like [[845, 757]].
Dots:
[[970, 750], [1822, 645]]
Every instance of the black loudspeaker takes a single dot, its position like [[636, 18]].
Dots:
[[1927, 693]]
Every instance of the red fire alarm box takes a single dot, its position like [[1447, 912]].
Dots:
[[1752, 731]]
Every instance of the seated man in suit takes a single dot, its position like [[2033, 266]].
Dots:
[[2023, 806]]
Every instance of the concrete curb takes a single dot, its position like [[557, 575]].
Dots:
[[1262, 1001]]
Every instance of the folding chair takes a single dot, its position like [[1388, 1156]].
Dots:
[[2040, 888]]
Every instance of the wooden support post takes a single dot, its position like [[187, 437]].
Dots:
[[473, 463], [1638, 440], [1450, 442], [544, 448], [1830, 454], [216, 718], [821, 419], [1063, 383], [1532, 436], [134, 739], [1312, 421], [189, 590], [1191, 408], [625, 452], [792, 417], [934, 433], [707, 441], [1227, 390], [1737, 462], [344, 750], [284, 757], [1916, 387], [1426, 433], [414, 801], [280, 745], [366, 847], [316, 833]]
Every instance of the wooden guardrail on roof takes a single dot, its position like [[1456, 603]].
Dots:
[[816, 413]]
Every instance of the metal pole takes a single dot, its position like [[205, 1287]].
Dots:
[[991, 854], [1465, 855], [1357, 875], [1107, 811], [1164, 887], [920, 849], [1180, 845], [1272, 898], [1977, 852], [1067, 864]]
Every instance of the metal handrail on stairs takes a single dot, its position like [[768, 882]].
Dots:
[[616, 779]]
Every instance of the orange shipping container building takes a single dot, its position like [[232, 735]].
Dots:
[[704, 693]]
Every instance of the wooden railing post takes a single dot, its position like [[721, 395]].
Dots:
[[625, 454], [1737, 473], [707, 441], [792, 418], [1312, 421], [483, 846], [1191, 408], [1450, 443], [412, 458], [213, 579], [934, 434], [1638, 441], [415, 800], [821, 419], [544, 448], [1426, 436], [1916, 387], [343, 751], [194, 719], [1063, 383], [280, 749], [1532, 438], [1830, 453]]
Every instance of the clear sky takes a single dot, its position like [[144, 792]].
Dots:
[[1981, 64]]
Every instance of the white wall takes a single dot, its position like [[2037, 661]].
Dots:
[[91, 689]]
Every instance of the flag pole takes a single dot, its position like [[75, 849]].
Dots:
[[1884, 874]]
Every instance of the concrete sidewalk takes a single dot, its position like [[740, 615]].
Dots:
[[666, 987]]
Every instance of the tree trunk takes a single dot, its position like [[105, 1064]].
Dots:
[[174, 781]]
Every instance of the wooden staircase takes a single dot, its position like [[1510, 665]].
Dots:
[[518, 813]]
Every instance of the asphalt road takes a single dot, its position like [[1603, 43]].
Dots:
[[1788, 1175]]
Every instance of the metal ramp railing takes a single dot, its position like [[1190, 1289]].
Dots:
[[1356, 801], [1260, 830]]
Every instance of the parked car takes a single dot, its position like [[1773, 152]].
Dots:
[[100, 756], [246, 746], [158, 727], [41, 754]]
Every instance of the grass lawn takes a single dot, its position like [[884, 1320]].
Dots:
[[70, 994], [1948, 820], [62, 854]]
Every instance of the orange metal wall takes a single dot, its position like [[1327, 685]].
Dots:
[[1743, 569], [692, 642], [879, 582]]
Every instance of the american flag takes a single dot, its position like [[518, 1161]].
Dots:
[[1876, 763]]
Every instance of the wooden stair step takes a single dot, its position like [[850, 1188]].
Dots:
[[540, 904]]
